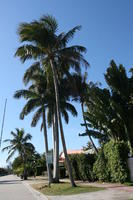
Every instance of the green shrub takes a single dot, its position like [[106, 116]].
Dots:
[[82, 166], [75, 168], [18, 171], [117, 155], [111, 164], [100, 168]]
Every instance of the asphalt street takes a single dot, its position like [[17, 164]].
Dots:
[[12, 188]]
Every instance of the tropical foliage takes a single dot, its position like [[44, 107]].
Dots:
[[36, 165], [20, 144], [111, 164], [109, 110]]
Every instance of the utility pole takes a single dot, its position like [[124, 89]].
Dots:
[[3, 122]]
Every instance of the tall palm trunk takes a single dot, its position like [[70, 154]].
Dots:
[[56, 148], [46, 145], [25, 173], [82, 106], [23, 156], [60, 124]]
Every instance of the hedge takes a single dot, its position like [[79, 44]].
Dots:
[[82, 166], [100, 168], [111, 164]]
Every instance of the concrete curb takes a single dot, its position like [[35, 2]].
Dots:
[[35, 193]]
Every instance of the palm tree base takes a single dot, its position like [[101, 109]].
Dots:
[[56, 181]]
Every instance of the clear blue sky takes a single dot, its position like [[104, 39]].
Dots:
[[107, 33]]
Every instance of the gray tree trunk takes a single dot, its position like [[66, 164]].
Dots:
[[60, 125], [46, 145], [23, 156], [56, 148], [82, 106]]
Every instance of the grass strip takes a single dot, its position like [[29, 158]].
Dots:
[[64, 189]]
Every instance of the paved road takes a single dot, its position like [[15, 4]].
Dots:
[[12, 188]]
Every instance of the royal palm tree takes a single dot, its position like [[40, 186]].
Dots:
[[44, 97], [19, 143], [44, 43], [36, 100], [65, 107]]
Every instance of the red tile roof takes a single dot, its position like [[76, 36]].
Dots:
[[62, 156]]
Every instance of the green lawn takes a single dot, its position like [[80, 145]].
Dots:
[[64, 189]]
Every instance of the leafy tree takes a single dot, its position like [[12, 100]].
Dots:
[[109, 111], [19, 143], [121, 87]]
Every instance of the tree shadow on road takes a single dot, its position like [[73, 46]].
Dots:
[[6, 182]]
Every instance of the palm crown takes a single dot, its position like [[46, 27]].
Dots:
[[19, 143]]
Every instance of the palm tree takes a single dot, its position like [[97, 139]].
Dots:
[[41, 96], [19, 143], [41, 86], [65, 106], [50, 48], [36, 100]]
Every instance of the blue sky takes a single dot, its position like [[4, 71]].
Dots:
[[107, 33]]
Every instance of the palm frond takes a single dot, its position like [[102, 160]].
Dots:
[[27, 94], [69, 107], [7, 140], [34, 68], [65, 116], [27, 137], [10, 156], [49, 22], [13, 134], [69, 35], [26, 52], [30, 106], [7, 148], [36, 117]]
